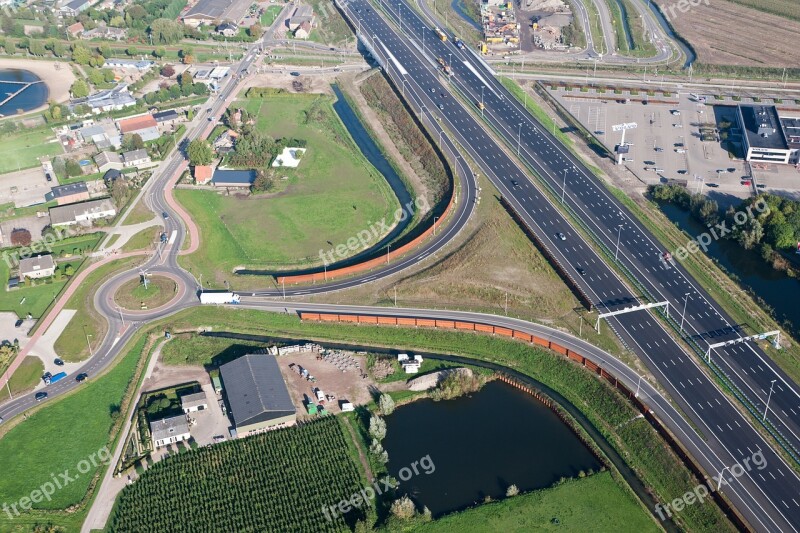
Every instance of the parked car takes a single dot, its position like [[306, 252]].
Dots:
[[48, 176], [712, 185], [18, 323], [58, 362], [762, 185]]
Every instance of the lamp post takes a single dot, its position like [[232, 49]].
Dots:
[[638, 386], [87, 341], [388, 246], [685, 301], [519, 138], [768, 398], [564, 186], [619, 233]]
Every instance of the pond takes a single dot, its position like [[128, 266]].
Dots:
[[20, 90], [480, 445], [777, 289]]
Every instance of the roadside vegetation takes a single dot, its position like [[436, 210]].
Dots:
[[328, 198], [25, 378]]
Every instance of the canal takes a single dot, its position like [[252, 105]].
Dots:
[[777, 289], [481, 444]]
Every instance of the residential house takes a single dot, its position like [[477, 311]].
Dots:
[[73, 8], [108, 160], [224, 143], [169, 430], [128, 64], [143, 125], [233, 179], [301, 14], [228, 29], [105, 32], [203, 174], [194, 402], [41, 266], [82, 213], [135, 158], [75, 29], [303, 31], [107, 100], [257, 394], [69, 194], [167, 118]]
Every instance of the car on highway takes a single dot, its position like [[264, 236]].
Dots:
[[40, 396], [561, 236], [433, 90], [580, 271], [165, 215], [58, 362], [81, 377], [441, 107], [712, 185], [514, 184]]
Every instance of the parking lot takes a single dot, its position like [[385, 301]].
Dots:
[[24, 187], [666, 143]]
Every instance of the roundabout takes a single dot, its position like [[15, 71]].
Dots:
[[150, 292]]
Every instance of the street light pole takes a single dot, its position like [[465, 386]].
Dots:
[[564, 186], [619, 233], [685, 301], [388, 246], [638, 386], [768, 398], [519, 138], [87, 341]]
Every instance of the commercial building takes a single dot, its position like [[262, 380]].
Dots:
[[69, 194], [83, 212], [41, 266], [73, 8], [763, 136], [145, 126], [301, 14], [128, 64], [194, 402], [228, 29], [169, 430], [215, 11], [257, 397], [106, 100]]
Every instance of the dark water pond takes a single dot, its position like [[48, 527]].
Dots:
[[19, 91]]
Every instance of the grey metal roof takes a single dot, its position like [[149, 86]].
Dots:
[[169, 114], [194, 399], [255, 389], [32, 264], [134, 155], [78, 187], [67, 214], [233, 177], [212, 9]]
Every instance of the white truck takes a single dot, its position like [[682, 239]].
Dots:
[[218, 297]]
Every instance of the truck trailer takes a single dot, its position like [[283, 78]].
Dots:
[[55, 378], [219, 297]]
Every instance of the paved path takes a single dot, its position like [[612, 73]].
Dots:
[[125, 233]]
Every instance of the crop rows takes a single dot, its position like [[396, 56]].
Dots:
[[275, 481]]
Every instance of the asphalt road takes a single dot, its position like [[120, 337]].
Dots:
[[768, 503]]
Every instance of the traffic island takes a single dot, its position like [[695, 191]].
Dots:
[[136, 295]]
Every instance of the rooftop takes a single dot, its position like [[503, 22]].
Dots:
[[168, 427], [66, 214], [192, 400], [162, 116], [135, 155], [762, 127], [32, 264], [255, 389], [234, 177], [141, 122], [78, 187]]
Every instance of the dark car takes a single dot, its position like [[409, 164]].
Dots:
[[514, 184], [48, 176], [294, 73], [712, 185], [165, 215], [47, 375], [40, 396], [441, 107], [683, 171], [581, 271], [644, 102], [18, 323], [762, 185], [58, 362], [81, 377], [208, 110], [731, 170]]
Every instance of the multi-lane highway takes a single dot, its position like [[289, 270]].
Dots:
[[768, 502]]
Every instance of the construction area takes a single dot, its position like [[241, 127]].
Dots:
[[541, 24], [500, 27]]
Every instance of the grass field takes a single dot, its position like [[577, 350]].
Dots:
[[143, 240], [783, 8], [330, 27], [23, 148], [71, 344], [132, 294], [24, 300], [268, 18], [50, 440], [24, 378], [332, 195], [595, 500], [139, 213]]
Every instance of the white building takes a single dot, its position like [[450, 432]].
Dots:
[[194, 402], [409, 364], [83, 212], [41, 266], [169, 430]]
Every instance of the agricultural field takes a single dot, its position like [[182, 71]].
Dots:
[[597, 500], [48, 441], [332, 195], [275, 481], [783, 8], [707, 27], [22, 149]]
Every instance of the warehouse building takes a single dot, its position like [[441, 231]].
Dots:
[[763, 136], [212, 12], [257, 397]]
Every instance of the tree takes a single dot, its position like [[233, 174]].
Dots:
[[255, 30], [512, 490], [386, 404], [79, 89], [165, 31], [377, 428], [403, 508], [160, 52], [132, 51], [263, 182], [95, 76], [108, 75], [72, 168], [20, 237], [81, 54], [167, 71], [69, 270], [132, 141], [119, 192], [36, 47], [55, 111], [199, 152]]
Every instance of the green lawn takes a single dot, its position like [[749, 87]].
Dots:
[[139, 213], [59, 436], [142, 240], [270, 14], [71, 345], [22, 149], [25, 377], [329, 198], [24, 300], [594, 503]]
